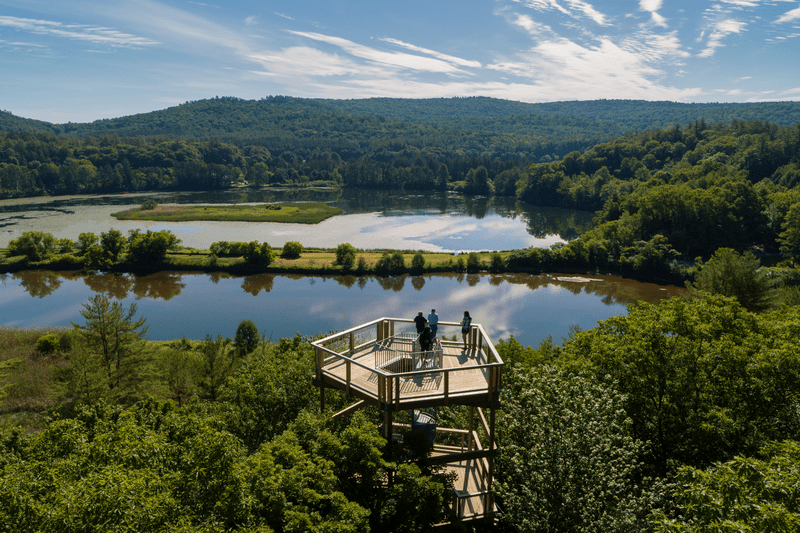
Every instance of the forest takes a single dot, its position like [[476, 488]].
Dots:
[[678, 417]]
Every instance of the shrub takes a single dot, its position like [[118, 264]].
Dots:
[[292, 250], [247, 337], [47, 344], [148, 205], [473, 262], [417, 262], [345, 255], [497, 264]]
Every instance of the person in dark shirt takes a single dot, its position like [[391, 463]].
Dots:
[[420, 321], [425, 340]]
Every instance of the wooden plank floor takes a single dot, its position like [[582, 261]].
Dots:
[[468, 378], [469, 481]]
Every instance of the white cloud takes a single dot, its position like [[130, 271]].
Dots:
[[92, 34], [438, 55], [396, 59], [721, 30], [650, 5], [531, 26], [251, 20], [789, 16], [577, 5]]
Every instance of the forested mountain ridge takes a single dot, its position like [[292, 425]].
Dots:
[[286, 122]]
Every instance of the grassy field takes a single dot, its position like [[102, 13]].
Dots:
[[297, 213]]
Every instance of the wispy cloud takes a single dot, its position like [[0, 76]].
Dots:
[[395, 59], [720, 30], [576, 6], [92, 34], [789, 16], [438, 55]]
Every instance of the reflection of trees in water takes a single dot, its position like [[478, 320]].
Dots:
[[473, 279], [611, 289], [257, 283], [566, 223], [114, 285], [418, 282], [164, 285], [216, 276], [477, 207], [347, 281], [362, 282], [395, 284], [38, 283]]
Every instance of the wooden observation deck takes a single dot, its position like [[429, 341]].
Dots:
[[381, 363]]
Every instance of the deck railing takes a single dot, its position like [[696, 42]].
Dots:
[[334, 359]]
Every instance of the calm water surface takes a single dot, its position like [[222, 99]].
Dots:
[[371, 219], [530, 307]]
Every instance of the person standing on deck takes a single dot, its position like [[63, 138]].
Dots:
[[433, 322], [465, 324], [420, 321]]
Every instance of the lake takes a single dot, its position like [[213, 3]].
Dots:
[[530, 307], [446, 222]]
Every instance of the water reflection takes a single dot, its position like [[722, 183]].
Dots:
[[39, 283], [257, 283], [530, 307], [429, 221]]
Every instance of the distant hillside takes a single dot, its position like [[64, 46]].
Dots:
[[350, 126]]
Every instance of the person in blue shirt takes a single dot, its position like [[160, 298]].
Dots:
[[433, 322]]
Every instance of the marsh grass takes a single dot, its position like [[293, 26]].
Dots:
[[296, 213]]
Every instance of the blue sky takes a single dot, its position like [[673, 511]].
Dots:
[[82, 60]]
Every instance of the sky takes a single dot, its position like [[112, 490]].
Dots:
[[84, 60]]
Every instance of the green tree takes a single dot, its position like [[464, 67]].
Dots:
[[292, 250], [417, 262], [114, 335], [569, 461], [346, 255], [258, 254], [743, 494], [150, 246], [247, 337], [86, 241], [218, 363], [730, 274], [34, 245], [789, 238], [113, 243]]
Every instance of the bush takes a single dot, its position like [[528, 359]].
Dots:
[[47, 344], [473, 262], [497, 264], [67, 341], [148, 205], [390, 265], [345, 255], [247, 337], [417, 262], [35, 245], [258, 254], [292, 250]]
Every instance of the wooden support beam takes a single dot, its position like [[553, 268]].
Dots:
[[347, 411]]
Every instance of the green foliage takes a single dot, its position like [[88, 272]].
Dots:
[[247, 337], [148, 205], [218, 362], [473, 262], [114, 242], [569, 460], [417, 262], [292, 250], [702, 376], [790, 236], [269, 390], [258, 254], [391, 265], [743, 494], [113, 335], [150, 246], [48, 344], [86, 241], [346, 255], [496, 263], [34, 245], [738, 276]]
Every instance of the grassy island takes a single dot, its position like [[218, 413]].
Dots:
[[297, 213]]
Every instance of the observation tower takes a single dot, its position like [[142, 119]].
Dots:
[[381, 363]]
